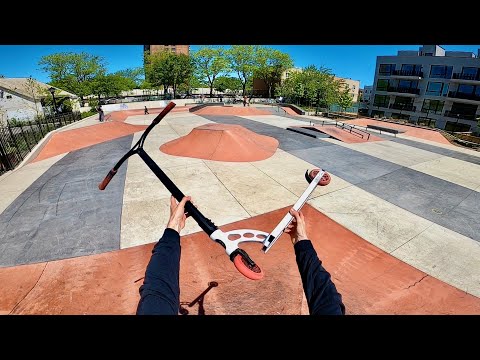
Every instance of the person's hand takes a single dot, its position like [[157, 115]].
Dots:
[[177, 214], [297, 228]]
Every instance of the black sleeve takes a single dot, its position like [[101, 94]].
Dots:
[[160, 292], [320, 291]]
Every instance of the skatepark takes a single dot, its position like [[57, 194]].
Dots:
[[397, 227]]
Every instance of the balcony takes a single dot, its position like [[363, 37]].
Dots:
[[466, 78], [458, 115], [468, 98], [402, 90], [408, 74]]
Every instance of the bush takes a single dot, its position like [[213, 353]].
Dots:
[[88, 113]]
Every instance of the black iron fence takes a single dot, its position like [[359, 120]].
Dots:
[[18, 138]]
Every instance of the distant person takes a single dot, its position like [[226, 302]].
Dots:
[[160, 292], [146, 111], [244, 100], [101, 114]]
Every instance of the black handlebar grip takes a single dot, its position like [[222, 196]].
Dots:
[[107, 179]]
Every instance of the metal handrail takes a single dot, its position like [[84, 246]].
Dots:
[[352, 130]]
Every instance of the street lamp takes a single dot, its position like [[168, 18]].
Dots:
[[52, 91]]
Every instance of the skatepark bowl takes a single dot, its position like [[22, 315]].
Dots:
[[397, 227]]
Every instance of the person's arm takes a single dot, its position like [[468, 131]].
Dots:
[[160, 292], [320, 291]]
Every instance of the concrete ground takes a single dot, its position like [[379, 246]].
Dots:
[[397, 226]]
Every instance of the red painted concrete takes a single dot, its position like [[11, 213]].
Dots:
[[289, 110], [370, 280], [222, 142], [75, 139], [420, 133]]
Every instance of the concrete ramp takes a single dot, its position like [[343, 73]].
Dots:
[[222, 142], [343, 134], [370, 280]]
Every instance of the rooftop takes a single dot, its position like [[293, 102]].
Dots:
[[21, 87]]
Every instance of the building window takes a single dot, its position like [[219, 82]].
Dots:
[[465, 110], [407, 84], [381, 100], [428, 54], [469, 72], [466, 89], [400, 116], [386, 69], [411, 68], [441, 71], [436, 89], [402, 100], [377, 113], [432, 106], [426, 122], [382, 85]]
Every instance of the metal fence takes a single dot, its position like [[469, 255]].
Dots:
[[18, 138]]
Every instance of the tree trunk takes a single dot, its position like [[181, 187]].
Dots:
[[244, 85], [211, 89], [270, 91]]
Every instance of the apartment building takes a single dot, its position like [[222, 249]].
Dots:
[[366, 93], [177, 49], [431, 86]]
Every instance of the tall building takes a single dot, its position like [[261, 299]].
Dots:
[[177, 49], [430, 87]]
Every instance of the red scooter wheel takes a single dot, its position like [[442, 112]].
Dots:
[[325, 180], [251, 272]]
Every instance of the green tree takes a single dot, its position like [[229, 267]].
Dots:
[[225, 83], [312, 86], [135, 75], [243, 61], [182, 71], [271, 63], [345, 99], [111, 85], [156, 70], [210, 62], [73, 72], [168, 70]]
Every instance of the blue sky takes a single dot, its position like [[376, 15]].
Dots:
[[350, 61]]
